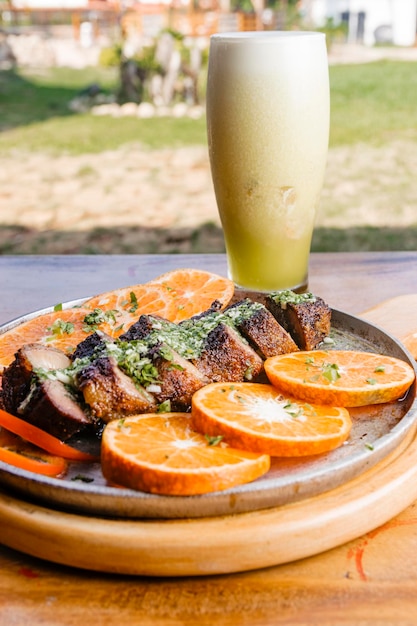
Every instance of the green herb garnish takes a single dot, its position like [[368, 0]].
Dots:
[[293, 409], [133, 302], [82, 478], [59, 327], [330, 371], [164, 407], [213, 441], [98, 316]]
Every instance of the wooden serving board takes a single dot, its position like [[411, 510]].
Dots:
[[231, 543], [218, 545], [397, 316]]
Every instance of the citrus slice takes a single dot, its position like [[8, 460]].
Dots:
[[259, 418], [162, 454], [193, 291], [340, 377], [60, 329], [129, 303]]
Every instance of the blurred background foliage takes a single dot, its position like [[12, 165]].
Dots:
[[372, 104]]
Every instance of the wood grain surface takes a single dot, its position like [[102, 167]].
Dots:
[[217, 545], [398, 316], [371, 580]]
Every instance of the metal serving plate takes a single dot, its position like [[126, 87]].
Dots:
[[376, 432]]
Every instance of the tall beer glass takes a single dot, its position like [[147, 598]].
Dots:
[[268, 128]]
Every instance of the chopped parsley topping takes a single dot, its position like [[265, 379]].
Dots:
[[293, 409], [59, 327], [213, 441], [283, 298], [133, 302], [98, 316], [331, 372], [164, 407], [140, 368], [82, 478], [188, 337]]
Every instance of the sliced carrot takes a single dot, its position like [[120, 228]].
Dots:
[[42, 439], [16, 452]]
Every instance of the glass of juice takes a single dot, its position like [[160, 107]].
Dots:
[[268, 130]]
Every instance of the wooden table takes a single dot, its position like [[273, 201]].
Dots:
[[372, 580]]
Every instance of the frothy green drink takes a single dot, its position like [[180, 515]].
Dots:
[[268, 128]]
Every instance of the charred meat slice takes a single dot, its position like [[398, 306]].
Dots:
[[262, 330], [52, 407], [17, 377], [145, 325], [178, 378], [157, 361], [110, 393], [306, 317], [91, 345], [215, 307], [226, 357]]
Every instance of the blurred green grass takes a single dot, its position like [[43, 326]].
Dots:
[[35, 116], [373, 102], [370, 103]]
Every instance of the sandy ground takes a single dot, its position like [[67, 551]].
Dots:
[[173, 189], [130, 186]]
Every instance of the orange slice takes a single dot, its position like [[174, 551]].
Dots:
[[162, 454], [193, 291], [340, 377], [129, 303], [60, 329], [174, 296], [259, 418]]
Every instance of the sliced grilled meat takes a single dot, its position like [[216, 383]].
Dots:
[[225, 357], [306, 317], [143, 327], [51, 406], [110, 393], [157, 360], [262, 330], [91, 345], [178, 378], [18, 376], [215, 307]]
